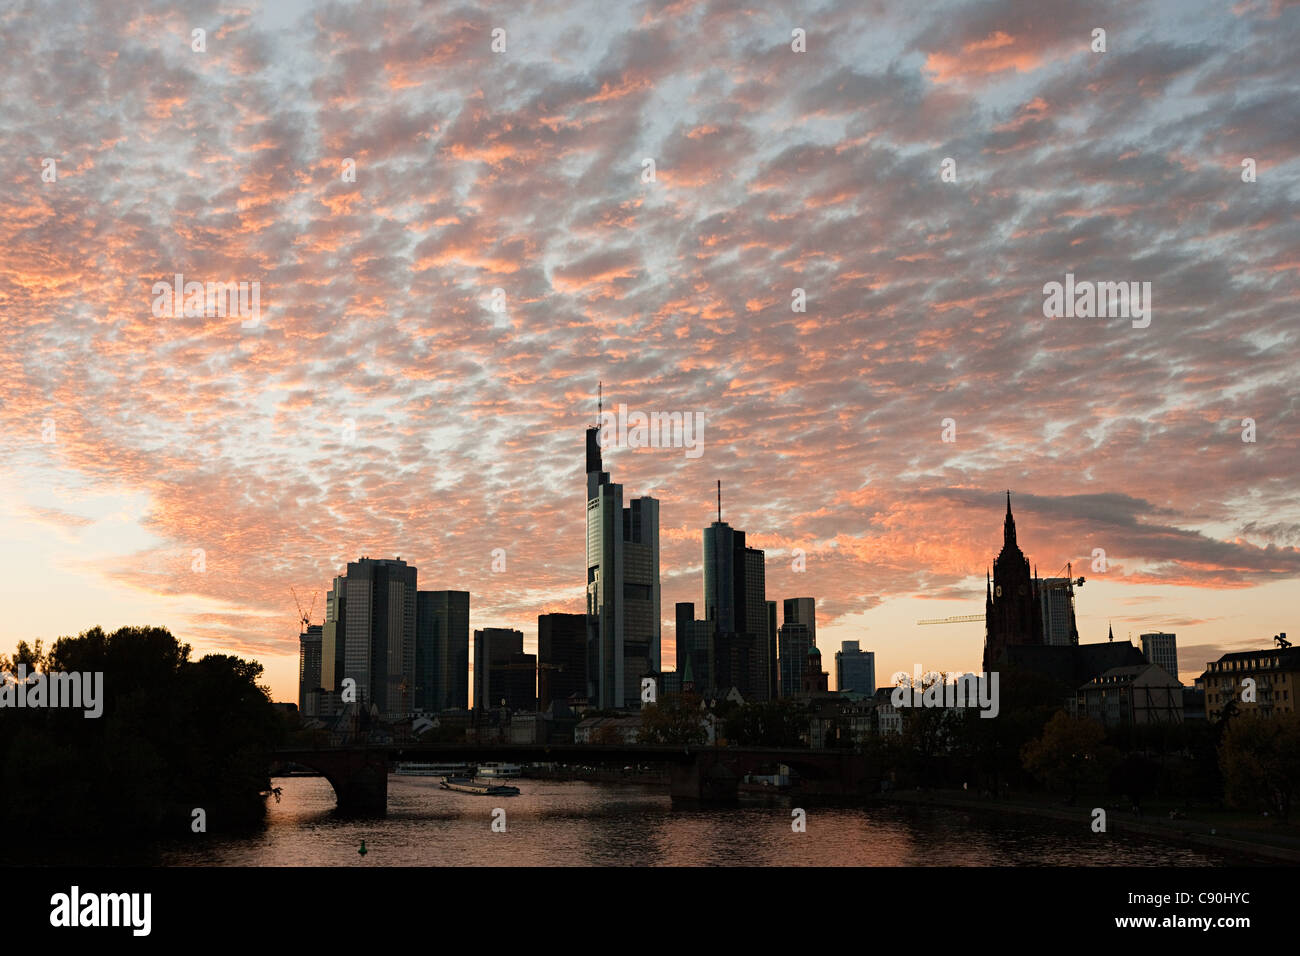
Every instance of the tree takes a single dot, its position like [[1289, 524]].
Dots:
[[1068, 754], [767, 723], [1260, 760], [674, 719]]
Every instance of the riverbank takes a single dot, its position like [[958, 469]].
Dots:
[[1259, 844]]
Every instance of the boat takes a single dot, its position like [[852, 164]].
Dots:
[[478, 787], [413, 769], [498, 771]]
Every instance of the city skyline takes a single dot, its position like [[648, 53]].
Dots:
[[796, 273]]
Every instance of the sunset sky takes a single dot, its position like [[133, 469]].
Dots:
[[380, 406]]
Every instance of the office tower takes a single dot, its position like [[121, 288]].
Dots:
[[774, 684], [380, 634], [333, 634], [802, 610], [1161, 649], [735, 601], [695, 648], [504, 676], [1057, 611], [561, 658], [622, 588], [795, 640], [1013, 615], [309, 667], [441, 650], [855, 669]]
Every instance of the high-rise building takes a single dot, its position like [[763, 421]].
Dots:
[[795, 640], [309, 668], [622, 588], [1013, 615], [561, 657], [695, 648], [379, 649], [802, 610], [333, 635], [735, 601], [1057, 611], [855, 669], [441, 650], [774, 669], [1161, 648], [504, 676]]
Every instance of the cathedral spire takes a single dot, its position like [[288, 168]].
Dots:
[[1009, 526]]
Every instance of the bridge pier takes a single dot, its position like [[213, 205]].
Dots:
[[706, 779]]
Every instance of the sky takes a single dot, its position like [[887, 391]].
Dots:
[[432, 330]]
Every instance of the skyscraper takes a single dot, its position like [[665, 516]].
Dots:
[[561, 657], [504, 676], [1012, 613], [622, 588], [309, 667], [735, 602], [442, 650], [1057, 611], [1162, 649], [855, 669], [380, 634], [695, 648], [333, 635], [795, 641], [774, 684]]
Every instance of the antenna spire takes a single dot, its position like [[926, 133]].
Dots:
[[600, 400], [719, 501]]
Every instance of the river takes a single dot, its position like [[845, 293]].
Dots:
[[568, 823]]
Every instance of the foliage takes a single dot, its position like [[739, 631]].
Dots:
[[174, 735], [674, 719], [1260, 759], [768, 723], [1069, 754]]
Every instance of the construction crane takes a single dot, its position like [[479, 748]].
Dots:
[[304, 616], [1069, 582], [956, 619]]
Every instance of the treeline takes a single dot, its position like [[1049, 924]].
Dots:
[[175, 735]]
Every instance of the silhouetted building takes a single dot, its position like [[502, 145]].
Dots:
[[815, 680], [774, 686], [735, 602], [855, 669], [694, 646], [334, 634], [794, 641], [1160, 648], [441, 650], [1012, 612], [1138, 694], [309, 669], [504, 676], [622, 588], [380, 642], [561, 657]]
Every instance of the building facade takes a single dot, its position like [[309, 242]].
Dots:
[[441, 650], [855, 669], [1137, 695], [309, 669], [1161, 648], [1274, 675], [561, 658], [504, 676], [623, 624], [379, 651]]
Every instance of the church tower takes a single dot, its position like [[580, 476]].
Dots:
[[1012, 612]]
